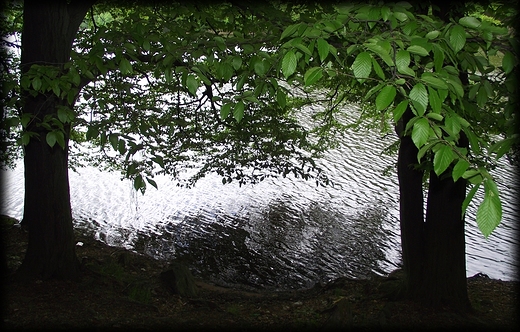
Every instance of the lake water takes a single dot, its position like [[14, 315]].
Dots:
[[282, 233]]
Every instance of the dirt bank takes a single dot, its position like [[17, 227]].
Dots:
[[122, 290]]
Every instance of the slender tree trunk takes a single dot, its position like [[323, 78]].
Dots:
[[410, 209], [47, 37]]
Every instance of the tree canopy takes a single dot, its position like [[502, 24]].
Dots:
[[217, 87]]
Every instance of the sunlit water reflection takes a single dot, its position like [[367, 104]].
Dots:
[[282, 233]]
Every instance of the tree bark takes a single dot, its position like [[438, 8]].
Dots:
[[444, 279], [433, 248], [410, 209], [47, 37]]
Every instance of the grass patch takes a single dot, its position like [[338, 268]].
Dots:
[[233, 309], [140, 293], [112, 269]]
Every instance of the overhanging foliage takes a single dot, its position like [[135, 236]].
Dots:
[[157, 87]]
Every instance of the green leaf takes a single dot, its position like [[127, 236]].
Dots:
[[238, 112], [416, 49], [121, 147], [25, 119], [422, 151], [51, 138], [125, 67], [60, 138], [452, 124], [463, 122], [159, 160], [385, 13], [152, 182], [312, 75], [433, 81], [241, 82], [457, 38], [374, 90], [224, 110], [303, 48], [221, 44], [488, 87], [92, 132], [385, 97], [473, 91], [420, 132], [139, 183], [434, 116], [502, 147], [402, 59], [64, 115], [491, 186], [236, 62], [482, 96], [442, 159], [456, 85], [36, 83], [129, 47], [114, 140], [12, 122], [508, 62], [323, 49], [489, 213], [474, 176], [407, 71], [399, 110], [89, 74], [362, 66], [281, 98], [419, 97], [146, 45], [192, 83], [470, 22], [225, 71], [289, 63], [377, 69], [260, 67], [460, 167], [468, 198], [433, 34], [55, 88], [400, 16], [438, 57], [473, 140], [290, 30], [435, 100], [203, 77], [382, 52], [26, 138]]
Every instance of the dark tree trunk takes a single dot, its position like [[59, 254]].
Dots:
[[410, 209], [47, 37], [444, 279], [433, 248]]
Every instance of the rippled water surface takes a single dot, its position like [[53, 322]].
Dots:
[[282, 233]]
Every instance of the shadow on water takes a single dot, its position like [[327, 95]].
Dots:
[[283, 246]]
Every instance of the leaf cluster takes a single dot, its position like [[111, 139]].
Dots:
[[214, 87]]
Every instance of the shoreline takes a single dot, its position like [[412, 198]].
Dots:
[[121, 289]]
